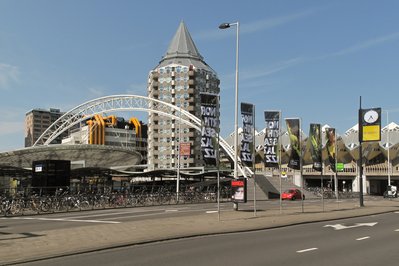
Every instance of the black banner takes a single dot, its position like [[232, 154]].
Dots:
[[316, 146], [209, 127], [293, 127], [271, 141], [247, 141], [330, 146]]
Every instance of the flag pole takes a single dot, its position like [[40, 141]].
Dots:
[[279, 162], [301, 163], [253, 158]]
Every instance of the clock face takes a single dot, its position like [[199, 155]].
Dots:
[[370, 116]]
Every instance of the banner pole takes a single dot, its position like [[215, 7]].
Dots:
[[253, 159], [279, 162], [178, 161], [361, 203], [322, 186], [218, 160], [218, 176], [335, 165], [301, 163]]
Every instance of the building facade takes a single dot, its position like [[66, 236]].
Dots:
[[111, 131], [380, 161], [179, 79], [37, 121]]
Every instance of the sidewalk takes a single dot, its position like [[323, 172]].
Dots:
[[53, 243]]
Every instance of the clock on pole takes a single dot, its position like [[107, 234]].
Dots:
[[370, 124]]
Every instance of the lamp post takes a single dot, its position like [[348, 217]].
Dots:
[[225, 26]]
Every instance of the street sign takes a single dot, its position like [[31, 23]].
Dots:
[[340, 167]]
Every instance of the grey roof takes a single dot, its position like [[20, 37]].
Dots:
[[93, 155], [182, 51]]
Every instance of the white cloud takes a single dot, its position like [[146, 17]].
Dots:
[[11, 127], [254, 26], [96, 92], [8, 74], [270, 23], [137, 89], [363, 45], [259, 73]]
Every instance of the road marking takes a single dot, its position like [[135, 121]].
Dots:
[[63, 220], [340, 226], [171, 210], [211, 211], [306, 250], [397, 230], [103, 214], [362, 238]]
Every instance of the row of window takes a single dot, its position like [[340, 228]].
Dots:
[[168, 79], [170, 88], [170, 131], [185, 96], [169, 139], [169, 69], [168, 166]]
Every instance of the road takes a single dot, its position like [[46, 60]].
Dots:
[[371, 240], [54, 221]]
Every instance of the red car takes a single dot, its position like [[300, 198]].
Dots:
[[292, 194]]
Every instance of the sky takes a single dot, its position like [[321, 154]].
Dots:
[[309, 59]]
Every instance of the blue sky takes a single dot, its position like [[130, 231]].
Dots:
[[309, 59]]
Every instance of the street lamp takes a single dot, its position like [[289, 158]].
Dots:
[[226, 26], [127, 133]]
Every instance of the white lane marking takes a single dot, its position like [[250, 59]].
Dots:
[[340, 226], [171, 210], [397, 230], [135, 216], [362, 238], [211, 211], [113, 213], [63, 220], [306, 250], [95, 215]]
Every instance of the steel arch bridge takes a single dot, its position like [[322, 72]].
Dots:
[[116, 103]]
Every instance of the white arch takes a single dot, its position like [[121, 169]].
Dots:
[[115, 103]]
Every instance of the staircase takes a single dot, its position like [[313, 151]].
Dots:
[[270, 185], [260, 194]]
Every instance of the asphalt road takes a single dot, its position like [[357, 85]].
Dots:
[[371, 240], [54, 221]]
